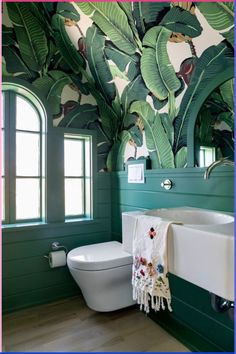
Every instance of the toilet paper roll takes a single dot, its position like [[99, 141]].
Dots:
[[57, 259]]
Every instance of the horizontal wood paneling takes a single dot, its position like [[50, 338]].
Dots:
[[27, 277], [191, 304], [214, 331]]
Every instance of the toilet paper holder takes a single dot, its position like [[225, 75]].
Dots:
[[55, 247]]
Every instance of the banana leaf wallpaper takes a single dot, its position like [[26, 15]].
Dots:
[[129, 70]]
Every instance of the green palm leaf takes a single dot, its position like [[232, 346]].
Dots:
[[69, 53], [51, 86], [157, 71], [168, 126], [67, 10], [157, 141], [80, 117], [182, 21], [181, 158], [112, 21], [127, 64], [8, 36], [127, 8], [229, 36], [227, 93], [220, 15], [103, 145], [115, 159], [148, 14], [134, 91], [15, 64], [109, 119], [95, 44], [213, 60], [30, 35]]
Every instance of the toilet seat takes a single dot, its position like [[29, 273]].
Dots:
[[100, 256]]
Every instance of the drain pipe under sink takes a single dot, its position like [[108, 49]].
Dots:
[[221, 305]]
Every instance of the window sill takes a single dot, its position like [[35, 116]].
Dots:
[[46, 225]]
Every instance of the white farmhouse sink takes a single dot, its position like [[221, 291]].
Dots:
[[201, 250], [192, 216]]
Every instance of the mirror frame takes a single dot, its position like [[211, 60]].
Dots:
[[222, 77]]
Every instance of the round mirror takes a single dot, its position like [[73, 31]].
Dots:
[[210, 132], [214, 127]]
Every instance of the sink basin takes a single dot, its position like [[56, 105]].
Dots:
[[200, 250], [192, 216]]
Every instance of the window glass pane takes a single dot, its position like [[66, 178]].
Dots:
[[27, 117], [73, 157], [3, 199], [27, 154], [74, 197], [27, 198]]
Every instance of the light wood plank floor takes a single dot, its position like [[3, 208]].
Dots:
[[70, 326]]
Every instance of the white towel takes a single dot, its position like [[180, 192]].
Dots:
[[150, 267]]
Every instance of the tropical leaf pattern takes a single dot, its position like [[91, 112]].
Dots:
[[220, 15], [95, 44], [80, 117], [30, 35], [51, 86], [129, 65], [69, 53], [181, 21], [127, 42], [67, 10], [157, 71], [115, 160], [111, 19], [134, 91], [181, 158], [212, 61], [148, 14], [157, 141], [229, 36]]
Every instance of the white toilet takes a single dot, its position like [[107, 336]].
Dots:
[[103, 271]]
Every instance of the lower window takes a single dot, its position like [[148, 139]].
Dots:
[[78, 176]]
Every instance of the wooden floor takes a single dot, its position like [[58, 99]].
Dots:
[[70, 326]]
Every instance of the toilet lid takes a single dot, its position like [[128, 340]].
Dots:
[[99, 256]]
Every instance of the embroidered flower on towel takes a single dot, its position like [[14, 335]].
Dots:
[[160, 268], [143, 261], [142, 272], [152, 232], [151, 269]]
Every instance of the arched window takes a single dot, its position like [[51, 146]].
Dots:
[[23, 156]]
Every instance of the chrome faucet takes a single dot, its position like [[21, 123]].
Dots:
[[222, 161]]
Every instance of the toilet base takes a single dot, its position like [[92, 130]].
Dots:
[[105, 290]]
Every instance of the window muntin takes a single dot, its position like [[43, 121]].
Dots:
[[24, 160], [77, 174]]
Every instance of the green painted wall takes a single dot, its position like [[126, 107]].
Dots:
[[27, 278], [192, 321]]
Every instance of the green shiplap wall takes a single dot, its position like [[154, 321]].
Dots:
[[27, 278], [192, 321]]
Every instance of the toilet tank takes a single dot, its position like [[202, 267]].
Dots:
[[128, 222]]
